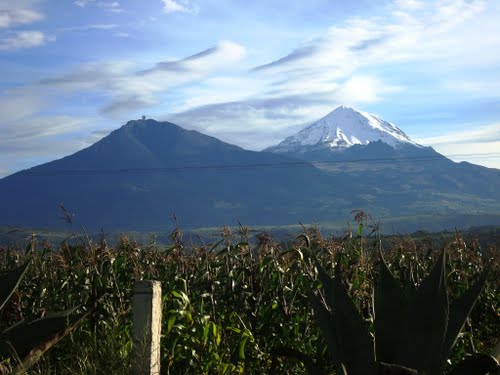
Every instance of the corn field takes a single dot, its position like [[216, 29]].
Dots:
[[232, 306]]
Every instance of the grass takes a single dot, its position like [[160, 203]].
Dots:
[[228, 305]]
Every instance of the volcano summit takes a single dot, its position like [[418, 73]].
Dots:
[[341, 129]]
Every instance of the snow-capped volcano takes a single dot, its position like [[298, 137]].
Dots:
[[342, 128]]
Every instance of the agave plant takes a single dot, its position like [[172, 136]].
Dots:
[[415, 327], [22, 344]]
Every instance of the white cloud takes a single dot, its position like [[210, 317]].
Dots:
[[253, 125], [223, 54], [483, 153], [178, 6], [24, 39], [121, 34], [108, 6], [485, 133], [473, 88], [19, 16], [364, 89], [477, 145], [93, 26], [409, 4], [81, 3], [454, 12], [423, 32], [19, 105]]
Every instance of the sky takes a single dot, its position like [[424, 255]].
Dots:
[[248, 72]]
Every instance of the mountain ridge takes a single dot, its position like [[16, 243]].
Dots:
[[140, 174]]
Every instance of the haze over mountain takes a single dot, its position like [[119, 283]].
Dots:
[[142, 173]]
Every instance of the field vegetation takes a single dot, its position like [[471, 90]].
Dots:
[[234, 305]]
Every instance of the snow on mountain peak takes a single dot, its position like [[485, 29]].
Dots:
[[343, 128]]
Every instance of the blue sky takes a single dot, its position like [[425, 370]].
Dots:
[[249, 73]]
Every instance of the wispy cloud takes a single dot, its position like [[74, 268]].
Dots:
[[478, 145], [225, 52], [24, 39], [360, 89], [108, 6], [413, 33], [15, 14], [178, 6], [21, 141], [409, 4], [15, 106], [128, 88], [18, 16], [483, 134], [81, 3], [93, 26]]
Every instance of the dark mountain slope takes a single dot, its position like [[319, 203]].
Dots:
[[140, 174]]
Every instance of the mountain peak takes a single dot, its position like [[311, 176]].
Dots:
[[342, 128]]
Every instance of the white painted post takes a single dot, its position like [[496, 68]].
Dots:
[[146, 331]]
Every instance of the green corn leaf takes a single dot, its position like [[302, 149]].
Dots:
[[360, 229], [460, 310], [241, 349], [171, 322], [10, 281]]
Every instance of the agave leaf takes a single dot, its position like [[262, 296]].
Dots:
[[477, 364], [28, 340], [354, 343], [390, 369], [495, 353], [311, 367], [410, 324], [427, 322], [460, 310], [327, 328], [10, 281], [389, 308]]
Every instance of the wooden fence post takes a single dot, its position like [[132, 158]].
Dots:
[[146, 329]]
